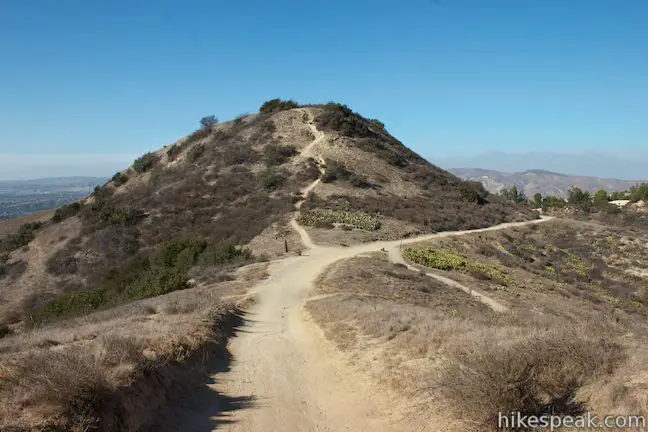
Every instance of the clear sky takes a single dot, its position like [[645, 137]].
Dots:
[[117, 78]]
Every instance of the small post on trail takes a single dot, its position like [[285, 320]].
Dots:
[[286, 245]]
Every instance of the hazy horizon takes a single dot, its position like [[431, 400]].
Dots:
[[33, 167], [597, 164]]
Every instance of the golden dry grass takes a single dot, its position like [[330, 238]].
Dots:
[[35, 284], [599, 265], [456, 359], [11, 226], [114, 369]]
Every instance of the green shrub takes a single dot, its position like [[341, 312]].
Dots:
[[553, 202], [24, 236], [272, 179], [195, 153], [208, 122], [62, 262], [340, 118], [218, 254], [473, 191], [66, 211], [276, 105], [323, 217], [103, 209], [335, 171], [443, 260], [119, 178], [600, 197], [639, 193], [579, 198], [239, 155], [377, 123], [116, 215], [145, 162], [277, 154], [147, 275], [101, 193], [514, 194], [175, 150]]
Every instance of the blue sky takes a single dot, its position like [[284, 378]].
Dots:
[[114, 79]]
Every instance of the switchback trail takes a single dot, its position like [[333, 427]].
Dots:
[[281, 360]]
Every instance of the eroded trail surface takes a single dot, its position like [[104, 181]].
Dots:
[[282, 363]]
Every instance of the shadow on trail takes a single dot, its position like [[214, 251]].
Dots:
[[195, 406]]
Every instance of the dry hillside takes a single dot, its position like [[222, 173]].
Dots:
[[134, 291], [232, 184], [571, 337]]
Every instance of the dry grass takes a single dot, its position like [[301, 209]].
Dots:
[[448, 353], [532, 372], [68, 386], [596, 264], [34, 285], [11, 226], [113, 370]]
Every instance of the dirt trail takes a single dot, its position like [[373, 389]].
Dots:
[[281, 360], [396, 256]]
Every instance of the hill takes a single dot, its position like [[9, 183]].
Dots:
[[540, 181], [235, 184], [150, 270]]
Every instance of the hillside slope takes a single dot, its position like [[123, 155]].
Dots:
[[179, 211]]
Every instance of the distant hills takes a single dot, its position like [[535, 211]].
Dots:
[[235, 184], [587, 164], [542, 181]]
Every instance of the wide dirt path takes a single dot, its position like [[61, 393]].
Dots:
[[295, 378]]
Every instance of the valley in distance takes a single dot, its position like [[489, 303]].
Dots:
[[22, 197], [301, 269]]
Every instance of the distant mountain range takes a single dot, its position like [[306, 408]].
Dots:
[[607, 166], [545, 182]]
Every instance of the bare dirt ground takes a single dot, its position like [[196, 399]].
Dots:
[[282, 362]]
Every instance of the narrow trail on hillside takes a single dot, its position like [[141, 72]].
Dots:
[[296, 380]]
